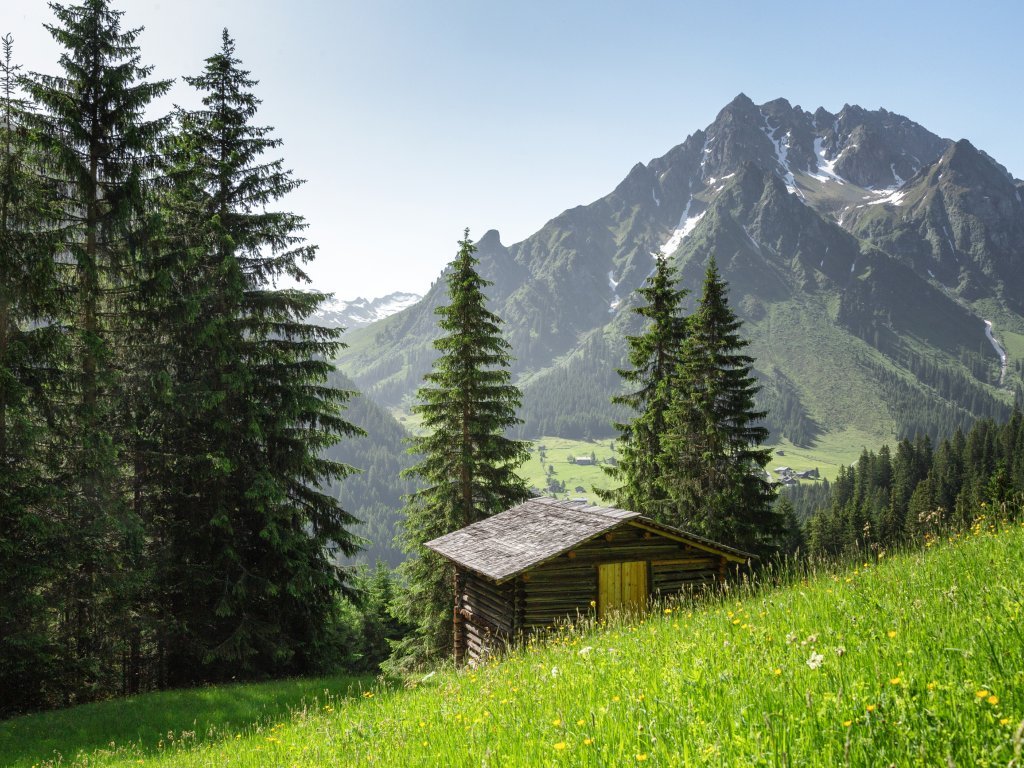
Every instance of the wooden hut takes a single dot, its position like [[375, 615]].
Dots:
[[544, 560]]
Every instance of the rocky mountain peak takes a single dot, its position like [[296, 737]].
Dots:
[[491, 239]]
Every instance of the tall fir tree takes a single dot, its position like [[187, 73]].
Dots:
[[98, 144], [654, 356], [245, 537], [30, 553], [712, 465], [468, 465]]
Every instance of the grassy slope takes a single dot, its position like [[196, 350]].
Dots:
[[558, 450], [915, 660], [153, 721], [830, 451]]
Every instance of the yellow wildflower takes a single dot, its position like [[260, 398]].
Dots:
[[847, 723], [894, 681], [588, 741], [993, 700], [871, 707], [891, 633], [642, 757], [982, 694], [559, 746]]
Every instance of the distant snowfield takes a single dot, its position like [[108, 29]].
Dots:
[[358, 312]]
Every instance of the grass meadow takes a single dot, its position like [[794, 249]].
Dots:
[[914, 659]]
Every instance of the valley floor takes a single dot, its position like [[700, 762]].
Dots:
[[913, 659]]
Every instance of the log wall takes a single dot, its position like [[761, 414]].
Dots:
[[489, 616], [485, 619]]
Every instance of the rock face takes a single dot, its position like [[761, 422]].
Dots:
[[890, 243]]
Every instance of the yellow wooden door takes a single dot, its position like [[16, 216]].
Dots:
[[621, 586]]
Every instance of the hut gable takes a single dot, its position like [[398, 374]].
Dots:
[[530, 566]]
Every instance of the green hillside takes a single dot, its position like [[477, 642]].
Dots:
[[915, 659]]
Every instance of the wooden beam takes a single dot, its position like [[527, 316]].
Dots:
[[689, 542]]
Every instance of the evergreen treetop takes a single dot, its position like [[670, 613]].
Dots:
[[249, 409], [654, 356], [97, 151], [468, 465], [713, 467], [467, 404]]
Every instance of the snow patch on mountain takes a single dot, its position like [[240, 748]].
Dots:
[[686, 226], [825, 171], [616, 301], [782, 156], [359, 312], [998, 348], [892, 197]]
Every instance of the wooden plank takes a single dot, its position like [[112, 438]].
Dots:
[[483, 605], [634, 590], [689, 542], [486, 623], [608, 587], [569, 589], [697, 561], [639, 550], [485, 588]]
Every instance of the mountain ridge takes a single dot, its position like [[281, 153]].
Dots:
[[359, 312]]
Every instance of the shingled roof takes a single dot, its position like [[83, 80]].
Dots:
[[508, 543]]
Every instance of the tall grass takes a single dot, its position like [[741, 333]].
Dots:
[[916, 659]]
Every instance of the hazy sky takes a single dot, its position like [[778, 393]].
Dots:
[[412, 120]]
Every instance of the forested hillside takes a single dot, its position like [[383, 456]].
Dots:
[[921, 489], [374, 495]]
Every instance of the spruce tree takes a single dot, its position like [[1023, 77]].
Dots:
[[713, 468], [654, 357], [468, 465], [98, 145], [245, 536], [30, 553]]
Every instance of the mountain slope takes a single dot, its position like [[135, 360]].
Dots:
[[831, 229], [374, 494]]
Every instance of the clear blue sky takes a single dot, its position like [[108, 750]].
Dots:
[[412, 120]]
